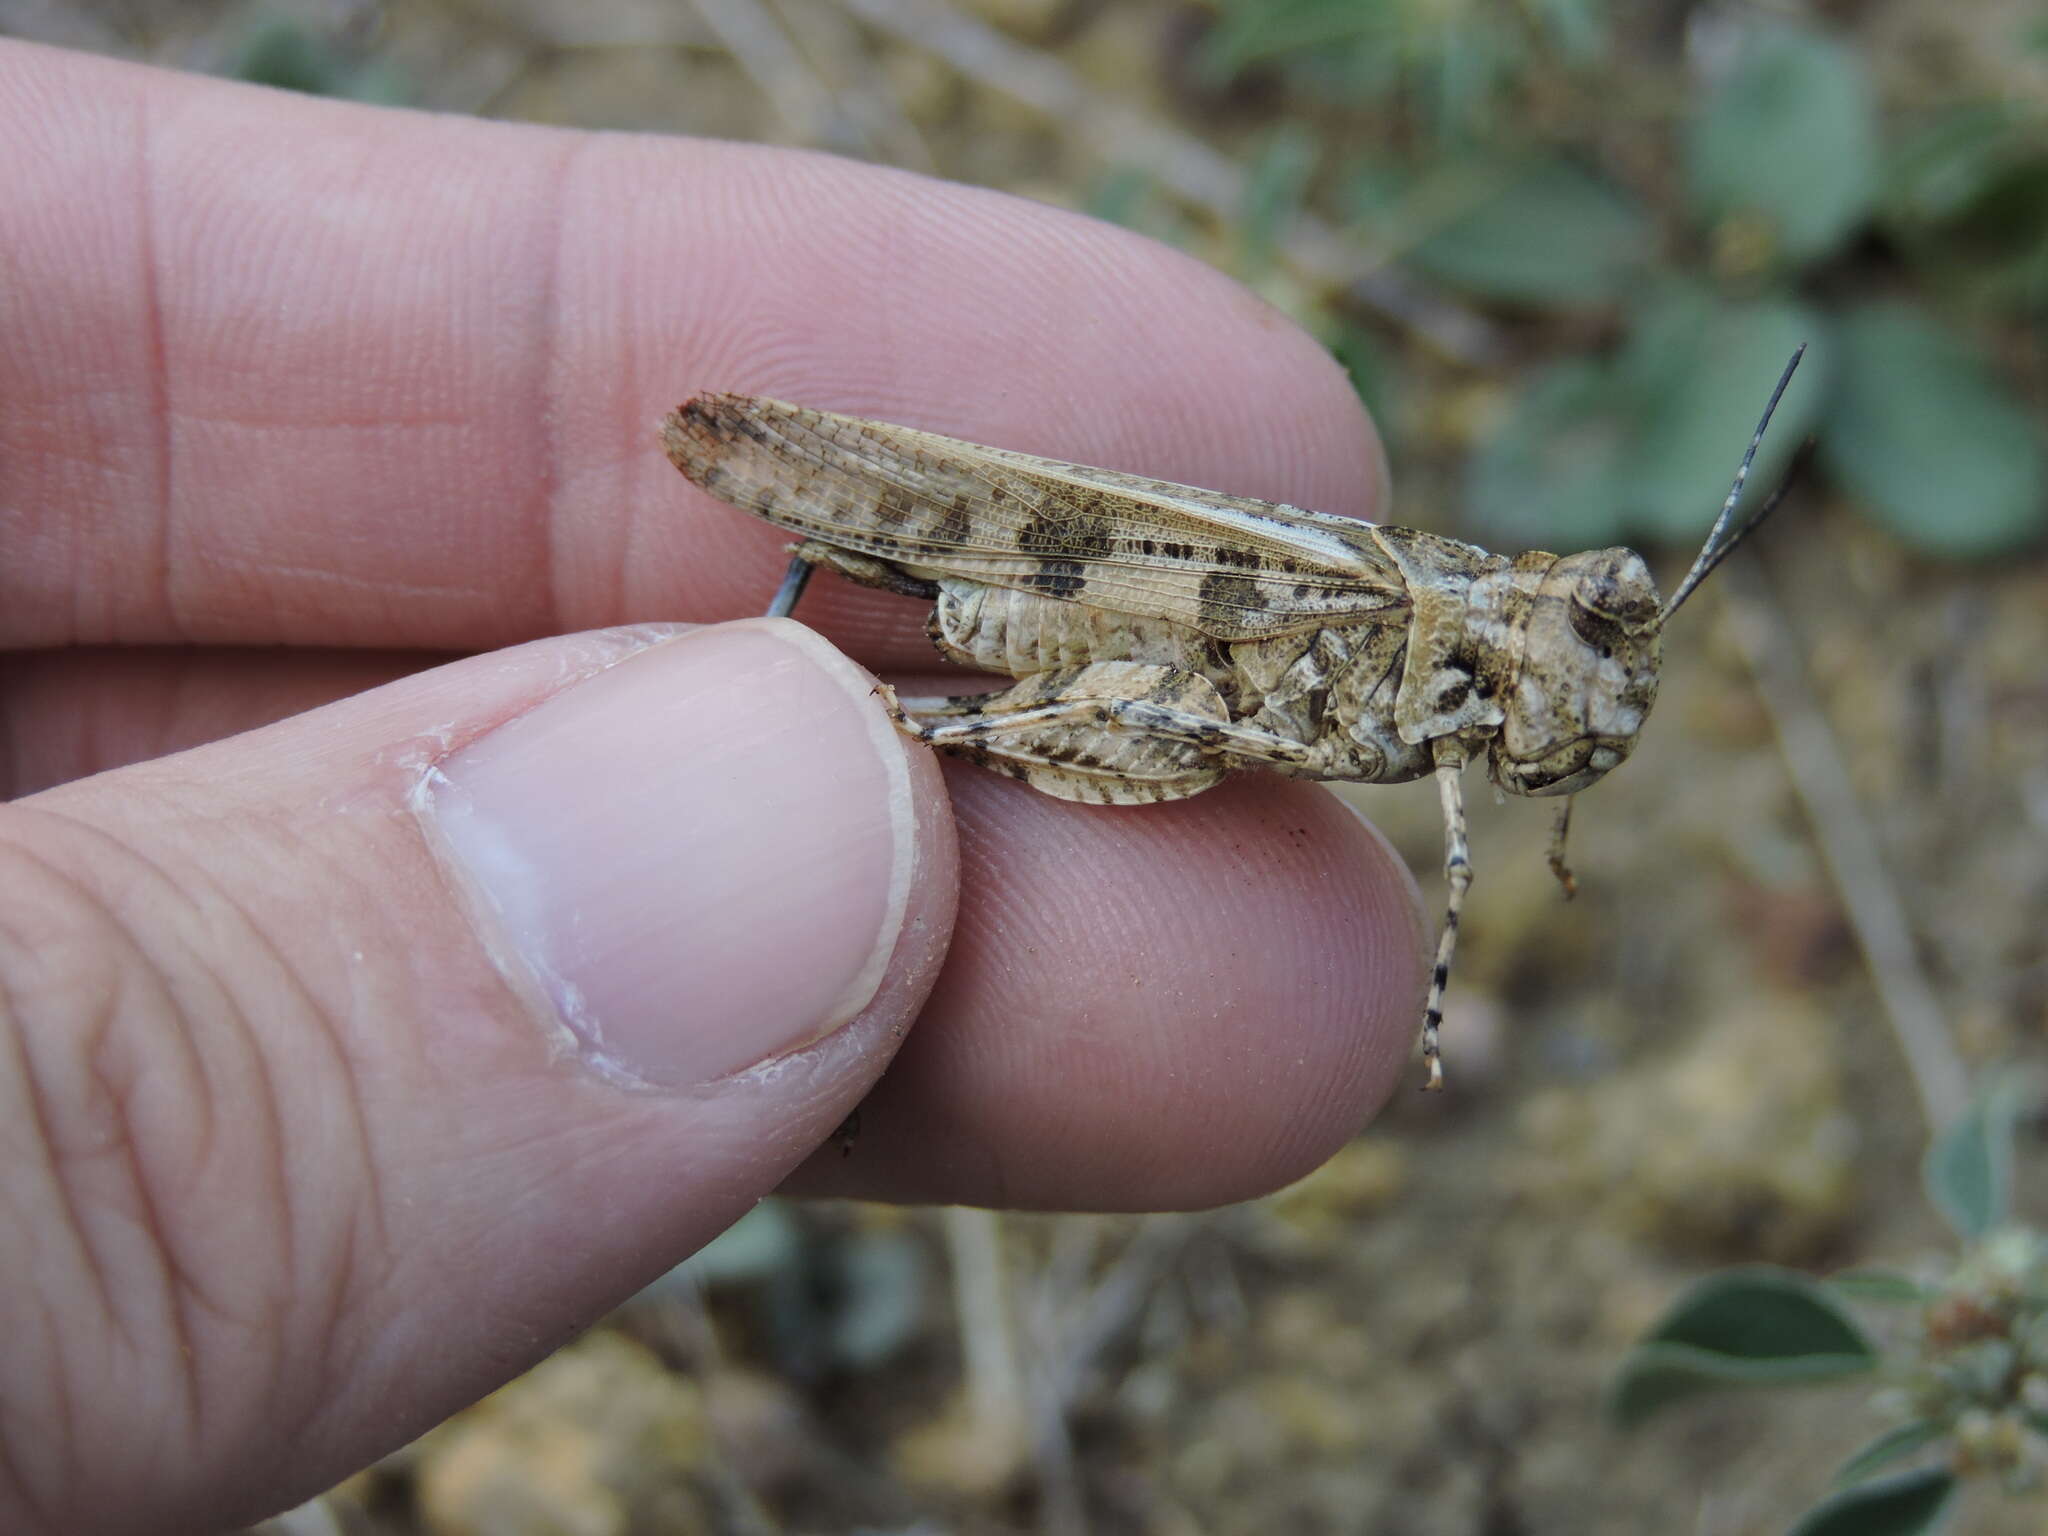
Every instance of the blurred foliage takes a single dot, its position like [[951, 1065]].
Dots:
[[1534, 230], [1785, 146], [284, 51], [820, 1299], [1594, 452], [1970, 1378], [1504, 168], [1906, 1505], [1743, 1327], [1453, 64], [1274, 190]]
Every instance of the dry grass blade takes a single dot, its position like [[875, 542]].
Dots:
[[1849, 845], [757, 43]]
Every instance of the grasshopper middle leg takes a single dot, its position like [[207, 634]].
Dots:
[[1458, 878]]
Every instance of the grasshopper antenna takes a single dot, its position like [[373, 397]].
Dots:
[[1720, 543]]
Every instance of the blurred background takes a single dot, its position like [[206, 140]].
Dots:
[[1564, 247]]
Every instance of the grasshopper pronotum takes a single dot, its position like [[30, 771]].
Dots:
[[1164, 636]]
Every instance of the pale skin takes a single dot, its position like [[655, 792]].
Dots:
[[256, 462]]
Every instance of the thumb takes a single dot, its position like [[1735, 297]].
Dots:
[[350, 1065]]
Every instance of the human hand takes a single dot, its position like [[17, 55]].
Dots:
[[356, 1061]]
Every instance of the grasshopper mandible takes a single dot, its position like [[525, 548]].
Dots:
[[1165, 636]]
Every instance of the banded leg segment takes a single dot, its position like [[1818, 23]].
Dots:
[[1450, 762], [1561, 829]]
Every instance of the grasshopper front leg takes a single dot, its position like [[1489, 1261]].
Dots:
[[1450, 762]]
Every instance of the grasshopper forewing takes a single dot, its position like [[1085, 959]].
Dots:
[[1162, 636]]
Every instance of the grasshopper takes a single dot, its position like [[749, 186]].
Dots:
[[1164, 636]]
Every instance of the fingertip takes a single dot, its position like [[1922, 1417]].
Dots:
[[1169, 1007]]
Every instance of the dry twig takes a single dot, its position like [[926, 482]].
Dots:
[[1849, 846]]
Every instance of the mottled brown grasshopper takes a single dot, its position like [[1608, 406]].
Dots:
[[1165, 636]]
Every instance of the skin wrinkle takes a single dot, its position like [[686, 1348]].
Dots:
[[157, 363], [183, 1287], [103, 1088], [16, 1487], [270, 1106], [38, 1092], [381, 591], [556, 527], [166, 1018], [368, 1207], [338, 1269], [292, 1325], [348, 1288], [180, 1288]]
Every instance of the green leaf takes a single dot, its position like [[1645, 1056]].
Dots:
[[1877, 1287], [1650, 443], [1953, 159], [1891, 1446], [1654, 1375], [1923, 433], [1252, 31], [880, 1285], [1578, 28], [1540, 231], [1374, 190], [1374, 369], [1789, 137], [1119, 196], [1909, 1504], [1700, 370], [1444, 71], [1967, 1171], [280, 51], [1752, 1327], [760, 1243], [1967, 199], [1550, 475], [1275, 186], [1761, 1312]]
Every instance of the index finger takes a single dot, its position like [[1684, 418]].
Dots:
[[392, 381]]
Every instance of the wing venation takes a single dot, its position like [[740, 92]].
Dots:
[[1231, 567]]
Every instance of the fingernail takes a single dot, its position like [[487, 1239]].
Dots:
[[700, 857]]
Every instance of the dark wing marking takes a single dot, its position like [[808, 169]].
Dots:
[[1228, 566]]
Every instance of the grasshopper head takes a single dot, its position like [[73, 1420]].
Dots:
[[1587, 671], [1587, 675]]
